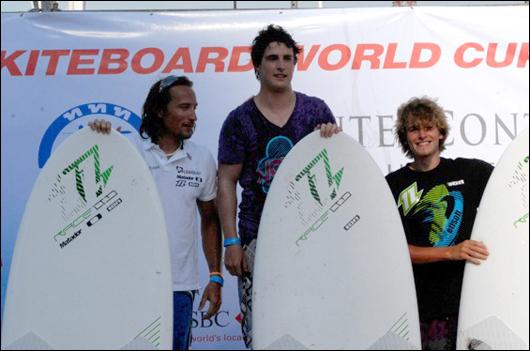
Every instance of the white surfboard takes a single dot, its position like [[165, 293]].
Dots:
[[91, 264], [494, 301], [332, 268]]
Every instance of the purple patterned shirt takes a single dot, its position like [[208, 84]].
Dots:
[[248, 138]]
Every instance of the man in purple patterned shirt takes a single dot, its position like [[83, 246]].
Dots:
[[254, 140]]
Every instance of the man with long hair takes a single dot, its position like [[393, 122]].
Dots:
[[168, 121]]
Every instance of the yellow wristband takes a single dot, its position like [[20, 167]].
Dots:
[[216, 273]]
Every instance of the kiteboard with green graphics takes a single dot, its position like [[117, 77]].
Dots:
[[91, 264], [494, 301], [332, 267]]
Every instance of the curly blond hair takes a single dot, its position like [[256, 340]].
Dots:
[[422, 109]]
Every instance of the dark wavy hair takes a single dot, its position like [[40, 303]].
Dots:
[[421, 109], [272, 33], [156, 104]]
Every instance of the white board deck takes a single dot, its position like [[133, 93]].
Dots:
[[494, 302], [332, 267], [91, 264]]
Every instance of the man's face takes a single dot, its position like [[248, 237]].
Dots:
[[179, 117], [423, 137], [277, 67]]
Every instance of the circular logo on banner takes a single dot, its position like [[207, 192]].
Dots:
[[77, 117]]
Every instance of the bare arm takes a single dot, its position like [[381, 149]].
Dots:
[[227, 197], [211, 245], [470, 250], [235, 261]]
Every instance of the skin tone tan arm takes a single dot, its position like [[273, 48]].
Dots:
[[211, 245], [235, 261], [469, 250]]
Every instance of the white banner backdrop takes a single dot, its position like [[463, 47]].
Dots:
[[60, 70]]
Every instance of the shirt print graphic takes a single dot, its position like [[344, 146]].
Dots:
[[277, 149], [444, 211]]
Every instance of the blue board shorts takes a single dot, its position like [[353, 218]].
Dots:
[[182, 318]]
